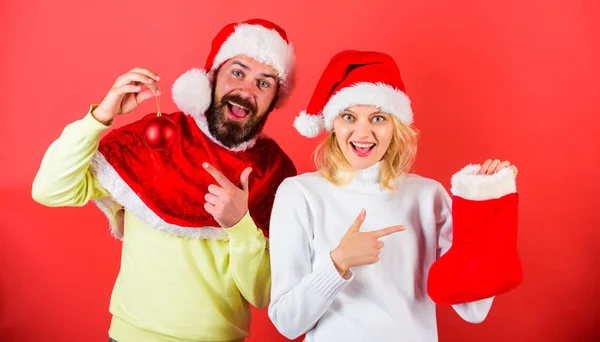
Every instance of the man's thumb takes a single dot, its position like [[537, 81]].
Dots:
[[244, 179]]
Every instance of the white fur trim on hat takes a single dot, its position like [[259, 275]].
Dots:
[[379, 95], [192, 92], [469, 185], [261, 44], [309, 125]]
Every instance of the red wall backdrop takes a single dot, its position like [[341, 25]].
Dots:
[[517, 80]]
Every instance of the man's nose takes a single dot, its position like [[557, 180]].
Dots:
[[246, 88]]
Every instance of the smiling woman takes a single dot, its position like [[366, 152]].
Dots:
[[362, 136], [336, 283]]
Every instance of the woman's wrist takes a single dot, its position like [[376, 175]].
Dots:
[[339, 265]]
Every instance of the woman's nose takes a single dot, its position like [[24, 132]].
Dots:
[[363, 129]]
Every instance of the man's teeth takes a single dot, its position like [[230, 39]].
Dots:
[[237, 105], [363, 145]]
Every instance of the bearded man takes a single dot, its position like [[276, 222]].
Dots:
[[194, 217]]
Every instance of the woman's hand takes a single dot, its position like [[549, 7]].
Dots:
[[360, 248], [492, 166]]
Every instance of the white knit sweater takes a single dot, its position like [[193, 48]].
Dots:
[[386, 301]]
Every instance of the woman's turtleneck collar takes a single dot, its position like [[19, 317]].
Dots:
[[363, 179]]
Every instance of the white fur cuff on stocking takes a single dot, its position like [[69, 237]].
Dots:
[[469, 185]]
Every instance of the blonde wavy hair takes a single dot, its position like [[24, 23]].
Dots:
[[398, 159]]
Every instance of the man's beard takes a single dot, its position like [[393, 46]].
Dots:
[[229, 132]]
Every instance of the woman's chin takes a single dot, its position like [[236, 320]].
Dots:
[[362, 164]]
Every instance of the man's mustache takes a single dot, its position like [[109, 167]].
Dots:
[[242, 101]]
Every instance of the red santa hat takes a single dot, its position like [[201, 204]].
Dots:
[[258, 39], [355, 78]]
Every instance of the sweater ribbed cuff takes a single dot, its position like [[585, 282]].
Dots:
[[327, 281], [90, 127], [245, 234]]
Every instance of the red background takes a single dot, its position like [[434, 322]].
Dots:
[[516, 80]]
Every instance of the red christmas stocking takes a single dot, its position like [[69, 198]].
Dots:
[[483, 260]]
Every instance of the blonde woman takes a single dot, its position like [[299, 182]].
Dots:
[[353, 244]]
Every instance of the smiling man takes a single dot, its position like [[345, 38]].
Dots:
[[239, 109], [194, 218]]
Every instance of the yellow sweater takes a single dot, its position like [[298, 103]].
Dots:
[[169, 288]]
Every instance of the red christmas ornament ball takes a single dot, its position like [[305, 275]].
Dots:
[[160, 133]]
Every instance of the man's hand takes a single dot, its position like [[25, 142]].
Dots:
[[129, 90], [226, 202]]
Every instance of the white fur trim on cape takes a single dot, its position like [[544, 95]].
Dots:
[[192, 92], [469, 185], [261, 44], [115, 214], [379, 95], [309, 125], [128, 199]]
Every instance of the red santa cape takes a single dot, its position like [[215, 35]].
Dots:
[[166, 189]]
